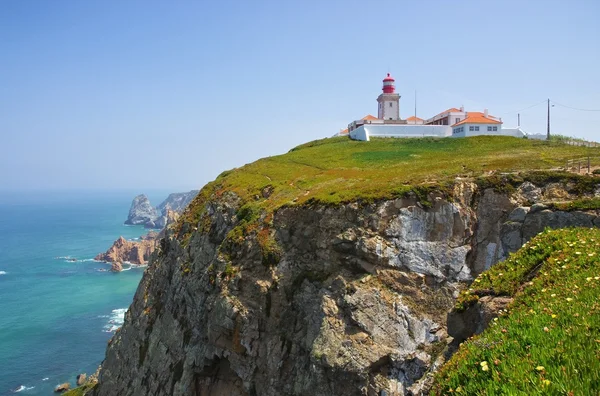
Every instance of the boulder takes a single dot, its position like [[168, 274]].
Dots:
[[518, 214], [81, 379], [530, 192], [62, 387]]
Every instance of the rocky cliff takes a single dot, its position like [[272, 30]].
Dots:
[[347, 299]]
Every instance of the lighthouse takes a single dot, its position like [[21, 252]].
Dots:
[[389, 100]]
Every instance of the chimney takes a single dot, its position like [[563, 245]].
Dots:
[[485, 112], [462, 109]]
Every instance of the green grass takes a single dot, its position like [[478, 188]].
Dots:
[[335, 170], [548, 341], [80, 391]]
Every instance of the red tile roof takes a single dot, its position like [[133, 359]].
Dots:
[[369, 117], [413, 118], [450, 110], [476, 117]]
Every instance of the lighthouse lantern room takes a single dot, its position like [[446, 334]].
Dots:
[[388, 101]]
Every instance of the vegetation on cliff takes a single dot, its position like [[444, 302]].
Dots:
[[548, 340], [338, 170]]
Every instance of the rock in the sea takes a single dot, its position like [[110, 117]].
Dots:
[[135, 252], [81, 379], [62, 387], [116, 267], [141, 211]]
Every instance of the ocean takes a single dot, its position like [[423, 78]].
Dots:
[[56, 315]]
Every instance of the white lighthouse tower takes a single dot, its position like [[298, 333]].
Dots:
[[389, 101]]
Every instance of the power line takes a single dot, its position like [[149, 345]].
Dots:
[[529, 107], [574, 108]]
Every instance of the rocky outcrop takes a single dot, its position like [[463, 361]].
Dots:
[[116, 267], [81, 379], [141, 211], [62, 388], [177, 202], [134, 252], [351, 299], [167, 217]]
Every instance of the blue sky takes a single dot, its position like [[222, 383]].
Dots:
[[146, 95]]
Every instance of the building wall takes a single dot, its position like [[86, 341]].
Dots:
[[365, 132], [388, 106], [483, 131]]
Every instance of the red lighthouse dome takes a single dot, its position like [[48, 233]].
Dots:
[[388, 84]]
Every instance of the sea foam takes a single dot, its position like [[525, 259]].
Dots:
[[115, 320], [2, 272], [22, 388]]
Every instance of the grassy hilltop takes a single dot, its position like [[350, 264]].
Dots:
[[338, 170]]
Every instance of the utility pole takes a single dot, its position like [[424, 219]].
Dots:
[[548, 136], [415, 106]]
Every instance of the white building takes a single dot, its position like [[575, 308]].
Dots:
[[449, 117], [455, 122], [476, 123]]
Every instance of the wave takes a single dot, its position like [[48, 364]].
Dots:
[[22, 388], [2, 272], [45, 379], [115, 320]]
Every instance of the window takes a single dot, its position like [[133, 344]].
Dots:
[[457, 120], [391, 105], [495, 128], [471, 128], [476, 129], [489, 129]]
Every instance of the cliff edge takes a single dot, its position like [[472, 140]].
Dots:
[[330, 270]]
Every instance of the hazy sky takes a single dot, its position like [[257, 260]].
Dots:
[[145, 94]]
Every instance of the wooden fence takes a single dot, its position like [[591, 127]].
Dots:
[[583, 165]]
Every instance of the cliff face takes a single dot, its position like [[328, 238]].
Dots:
[[352, 300]]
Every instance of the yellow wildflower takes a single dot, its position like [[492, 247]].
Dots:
[[569, 299], [546, 382], [540, 368]]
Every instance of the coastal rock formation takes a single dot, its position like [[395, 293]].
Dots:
[[177, 202], [62, 388], [141, 211], [167, 217], [116, 267], [134, 252], [347, 299], [81, 379]]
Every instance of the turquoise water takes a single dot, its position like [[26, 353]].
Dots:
[[56, 316]]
